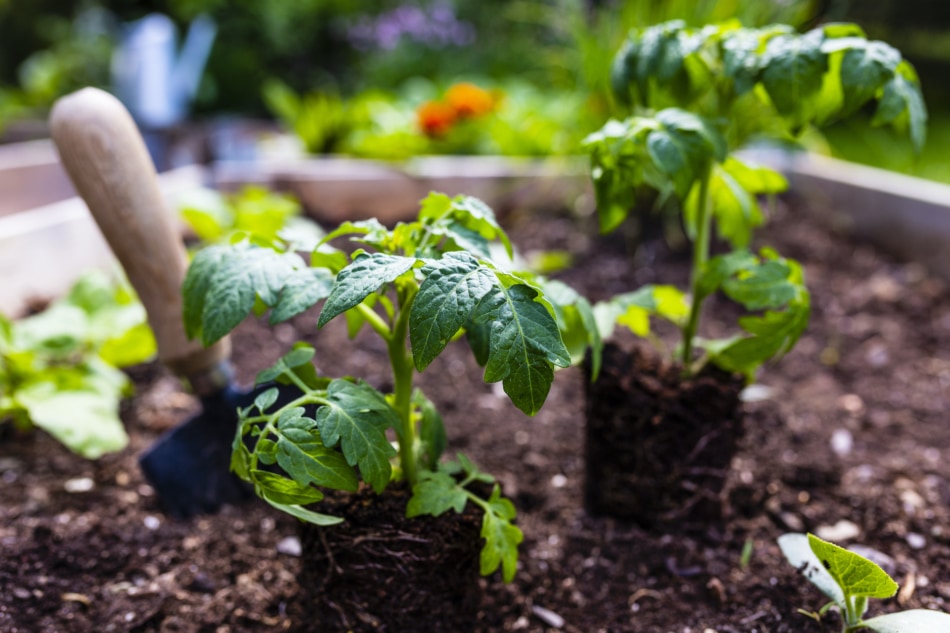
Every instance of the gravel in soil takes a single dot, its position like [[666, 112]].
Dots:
[[847, 437]]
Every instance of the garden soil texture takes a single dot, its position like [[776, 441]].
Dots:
[[848, 433]]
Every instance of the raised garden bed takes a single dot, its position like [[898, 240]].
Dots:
[[45, 248], [854, 432], [335, 189]]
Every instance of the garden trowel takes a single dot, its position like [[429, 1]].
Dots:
[[106, 159]]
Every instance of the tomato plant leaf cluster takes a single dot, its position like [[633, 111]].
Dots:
[[816, 77], [418, 286], [849, 580]]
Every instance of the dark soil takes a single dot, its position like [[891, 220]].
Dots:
[[658, 445], [853, 436], [386, 572]]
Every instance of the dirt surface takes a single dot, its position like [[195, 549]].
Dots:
[[659, 447], [851, 436], [387, 572]]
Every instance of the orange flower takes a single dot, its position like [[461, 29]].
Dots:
[[435, 118], [468, 100]]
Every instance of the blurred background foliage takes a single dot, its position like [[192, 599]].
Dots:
[[52, 46], [352, 75]]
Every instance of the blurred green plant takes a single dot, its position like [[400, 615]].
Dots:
[[512, 118], [582, 37], [58, 368], [254, 213], [78, 55], [321, 120]]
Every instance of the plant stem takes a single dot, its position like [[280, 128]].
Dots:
[[700, 257], [403, 369], [375, 321]]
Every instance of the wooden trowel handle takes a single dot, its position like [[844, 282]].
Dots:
[[106, 159]]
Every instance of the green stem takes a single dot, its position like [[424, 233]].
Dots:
[[403, 370], [700, 257], [375, 321]]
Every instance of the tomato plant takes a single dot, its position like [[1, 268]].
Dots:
[[698, 94], [418, 286]]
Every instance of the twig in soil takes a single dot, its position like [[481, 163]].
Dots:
[[643, 593], [331, 564], [907, 589]]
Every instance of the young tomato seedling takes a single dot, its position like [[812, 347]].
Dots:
[[699, 94], [419, 286], [849, 580]]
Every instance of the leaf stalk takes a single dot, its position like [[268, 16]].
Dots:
[[700, 258]]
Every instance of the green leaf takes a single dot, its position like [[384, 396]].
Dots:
[[615, 198], [59, 330], [431, 429], [902, 105], [754, 178], [223, 284], [457, 237], [768, 284], [279, 489], [856, 575], [266, 451], [372, 232], [296, 358], [361, 278], [240, 458], [356, 416], [471, 471], [772, 334], [864, 71], [452, 288], [85, 422], [684, 148], [733, 186], [524, 344], [266, 399], [306, 515], [303, 456], [633, 309], [207, 213], [722, 267], [660, 53], [501, 537], [511, 331], [793, 70], [478, 336], [328, 258], [435, 206], [798, 552], [474, 215], [436, 493], [130, 346], [576, 322], [742, 58], [302, 289], [913, 621]]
